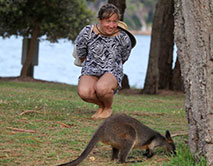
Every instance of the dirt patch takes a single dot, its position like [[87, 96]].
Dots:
[[169, 93], [30, 79], [26, 79], [150, 114], [140, 92], [122, 91], [130, 91]]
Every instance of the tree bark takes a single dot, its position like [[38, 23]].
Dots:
[[28, 61], [152, 74], [125, 82], [166, 40], [177, 82], [121, 5], [194, 39], [160, 73]]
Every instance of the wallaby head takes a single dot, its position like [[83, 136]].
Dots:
[[169, 144]]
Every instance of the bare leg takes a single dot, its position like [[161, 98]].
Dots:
[[105, 88], [86, 90]]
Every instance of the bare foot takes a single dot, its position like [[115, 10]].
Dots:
[[105, 113], [98, 112]]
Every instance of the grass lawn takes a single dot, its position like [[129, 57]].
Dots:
[[43, 124]]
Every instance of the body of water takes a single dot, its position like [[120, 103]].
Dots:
[[56, 61]]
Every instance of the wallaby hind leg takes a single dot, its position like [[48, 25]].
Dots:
[[115, 152], [124, 151]]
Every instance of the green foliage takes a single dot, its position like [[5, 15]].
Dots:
[[139, 10], [57, 18]]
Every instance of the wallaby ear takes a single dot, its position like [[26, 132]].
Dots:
[[167, 134]]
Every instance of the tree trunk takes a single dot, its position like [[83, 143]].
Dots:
[[152, 74], [121, 5], [177, 82], [125, 82], [28, 61], [166, 41], [160, 73], [194, 39]]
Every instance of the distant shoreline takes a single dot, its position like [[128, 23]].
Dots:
[[135, 32]]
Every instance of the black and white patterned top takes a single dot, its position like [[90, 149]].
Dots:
[[103, 54]]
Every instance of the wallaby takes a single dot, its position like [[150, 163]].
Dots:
[[124, 133]]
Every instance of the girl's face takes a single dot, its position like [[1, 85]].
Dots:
[[109, 25]]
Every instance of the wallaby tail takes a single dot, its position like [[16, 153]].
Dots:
[[86, 152]]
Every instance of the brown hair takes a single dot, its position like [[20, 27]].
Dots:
[[107, 10]]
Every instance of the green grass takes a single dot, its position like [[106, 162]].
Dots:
[[183, 154], [52, 143]]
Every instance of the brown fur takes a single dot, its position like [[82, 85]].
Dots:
[[124, 133]]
